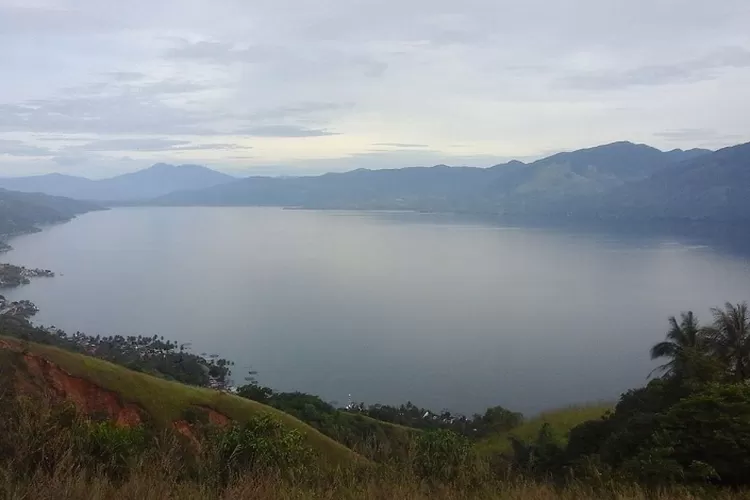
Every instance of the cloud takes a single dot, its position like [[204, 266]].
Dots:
[[71, 160], [400, 145], [318, 85], [19, 148], [284, 131], [695, 134], [152, 145], [147, 144], [687, 71], [211, 147], [299, 110], [102, 115], [293, 60], [211, 51], [126, 76]]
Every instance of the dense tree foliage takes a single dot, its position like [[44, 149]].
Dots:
[[153, 354], [363, 434], [692, 424]]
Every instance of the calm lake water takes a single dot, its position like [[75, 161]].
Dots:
[[386, 307]]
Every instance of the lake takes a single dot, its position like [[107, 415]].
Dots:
[[387, 307]]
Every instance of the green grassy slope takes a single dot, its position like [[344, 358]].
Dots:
[[164, 401], [561, 421]]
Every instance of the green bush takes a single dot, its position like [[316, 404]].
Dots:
[[443, 456], [262, 444], [112, 449]]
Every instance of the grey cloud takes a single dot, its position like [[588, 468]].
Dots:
[[223, 52], [205, 50], [298, 110], [166, 87], [400, 145], [209, 147], [151, 144], [692, 70], [294, 60], [19, 148], [499, 76], [148, 144], [70, 160], [129, 83], [23, 20], [284, 131], [116, 114], [126, 76], [695, 134], [145, 108]]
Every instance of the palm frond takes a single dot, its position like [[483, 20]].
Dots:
[[664, 349]]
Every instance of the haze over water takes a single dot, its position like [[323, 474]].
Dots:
[[388, 307]]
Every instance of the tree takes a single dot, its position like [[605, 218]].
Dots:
[[497, 419], [683, 341], [729, 338]]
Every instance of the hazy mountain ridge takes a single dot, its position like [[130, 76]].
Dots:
[[566, 182], [711, 186], [621, 179], [152, 182], [23, 212]]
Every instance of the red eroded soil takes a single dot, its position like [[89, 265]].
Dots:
[[217, 418], [87, 396], [184, 428], [45, 377]]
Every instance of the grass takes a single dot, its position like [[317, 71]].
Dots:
[[150, 486], [165, 401], [560, 421]]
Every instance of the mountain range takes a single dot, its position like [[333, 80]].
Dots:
[[617, 180], [152, 182], [579, 182]]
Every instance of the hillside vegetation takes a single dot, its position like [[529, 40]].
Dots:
[[164, 402], [24, 212], [72, 424], [558, 423]]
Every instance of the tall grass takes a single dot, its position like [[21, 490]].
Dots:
[[145, 484], [47, 451]]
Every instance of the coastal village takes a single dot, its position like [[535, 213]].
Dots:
[[12, 276], [21, 308]]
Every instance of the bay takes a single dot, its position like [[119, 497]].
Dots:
[[385, 307]]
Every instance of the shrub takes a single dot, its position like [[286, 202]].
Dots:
[[262, 444], [112, 449], [442, 455]]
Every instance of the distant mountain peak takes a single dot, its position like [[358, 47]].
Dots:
[[156, 180]]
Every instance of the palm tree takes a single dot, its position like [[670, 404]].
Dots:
[[729, 338], [681, 340]]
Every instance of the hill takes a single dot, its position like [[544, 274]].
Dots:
[[23, 212], [129, 397], [715, 186], [513, 187], [575, 175], [152, 182], [559, 423]]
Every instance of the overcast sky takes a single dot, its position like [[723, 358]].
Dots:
[[100, 87]]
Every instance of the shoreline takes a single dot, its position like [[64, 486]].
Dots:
[[13, 276]]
